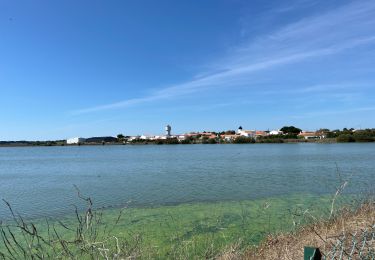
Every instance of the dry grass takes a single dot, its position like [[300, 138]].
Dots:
[[323, 234], [92, 239]]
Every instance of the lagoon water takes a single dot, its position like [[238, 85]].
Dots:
[[39, 181]]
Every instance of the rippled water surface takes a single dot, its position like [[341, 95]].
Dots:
[[39, 181]]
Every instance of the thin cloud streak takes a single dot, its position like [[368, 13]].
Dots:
[[321, 88], [294, 43]]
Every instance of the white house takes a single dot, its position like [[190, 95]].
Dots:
[[131, 138], [147, 137], [181, 137], [276, 132], [246, 133], [75, 140], [229, 138], [312, 135]]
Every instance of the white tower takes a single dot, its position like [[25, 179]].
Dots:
[[168, 130]]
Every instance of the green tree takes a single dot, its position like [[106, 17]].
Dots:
[[121, 138], [290, 130], [324, 130]]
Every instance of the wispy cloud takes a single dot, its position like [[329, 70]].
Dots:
[[321, 88], [331, 33]]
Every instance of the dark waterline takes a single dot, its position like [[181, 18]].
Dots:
[[38, 181]]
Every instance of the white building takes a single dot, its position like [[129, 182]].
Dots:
[[75, 140], [276, 132], [246, 133], [311, 135], [147, 137], [229, 138], [181, 137], [131, 138]]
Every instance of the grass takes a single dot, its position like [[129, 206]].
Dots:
[[350, 234], [186, 231]]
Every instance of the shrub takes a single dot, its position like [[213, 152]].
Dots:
[[363, 137], [212, 141], [345, 138], [158, 141], [204, 140], [271, 140], [171, 141], [243, 140], [187, 141]]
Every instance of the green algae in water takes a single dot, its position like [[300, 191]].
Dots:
[[190, 230]]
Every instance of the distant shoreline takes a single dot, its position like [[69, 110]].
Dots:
[[287, 134], [46, 144]]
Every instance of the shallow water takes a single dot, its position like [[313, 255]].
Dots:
[[39, 181]]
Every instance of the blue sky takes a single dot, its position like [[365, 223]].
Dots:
[[94, 68]]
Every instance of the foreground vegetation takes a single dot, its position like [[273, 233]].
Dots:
[[350, 234], [187, 231]]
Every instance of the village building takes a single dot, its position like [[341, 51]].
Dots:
[[275, 132], [132, 138], [75, 140], [311, 135], [181, 137], [192, 134], [229, 138], [209, 135], [261, 133], [147, 137], [246, 133]]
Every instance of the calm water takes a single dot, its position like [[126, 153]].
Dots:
[[38, 181]]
